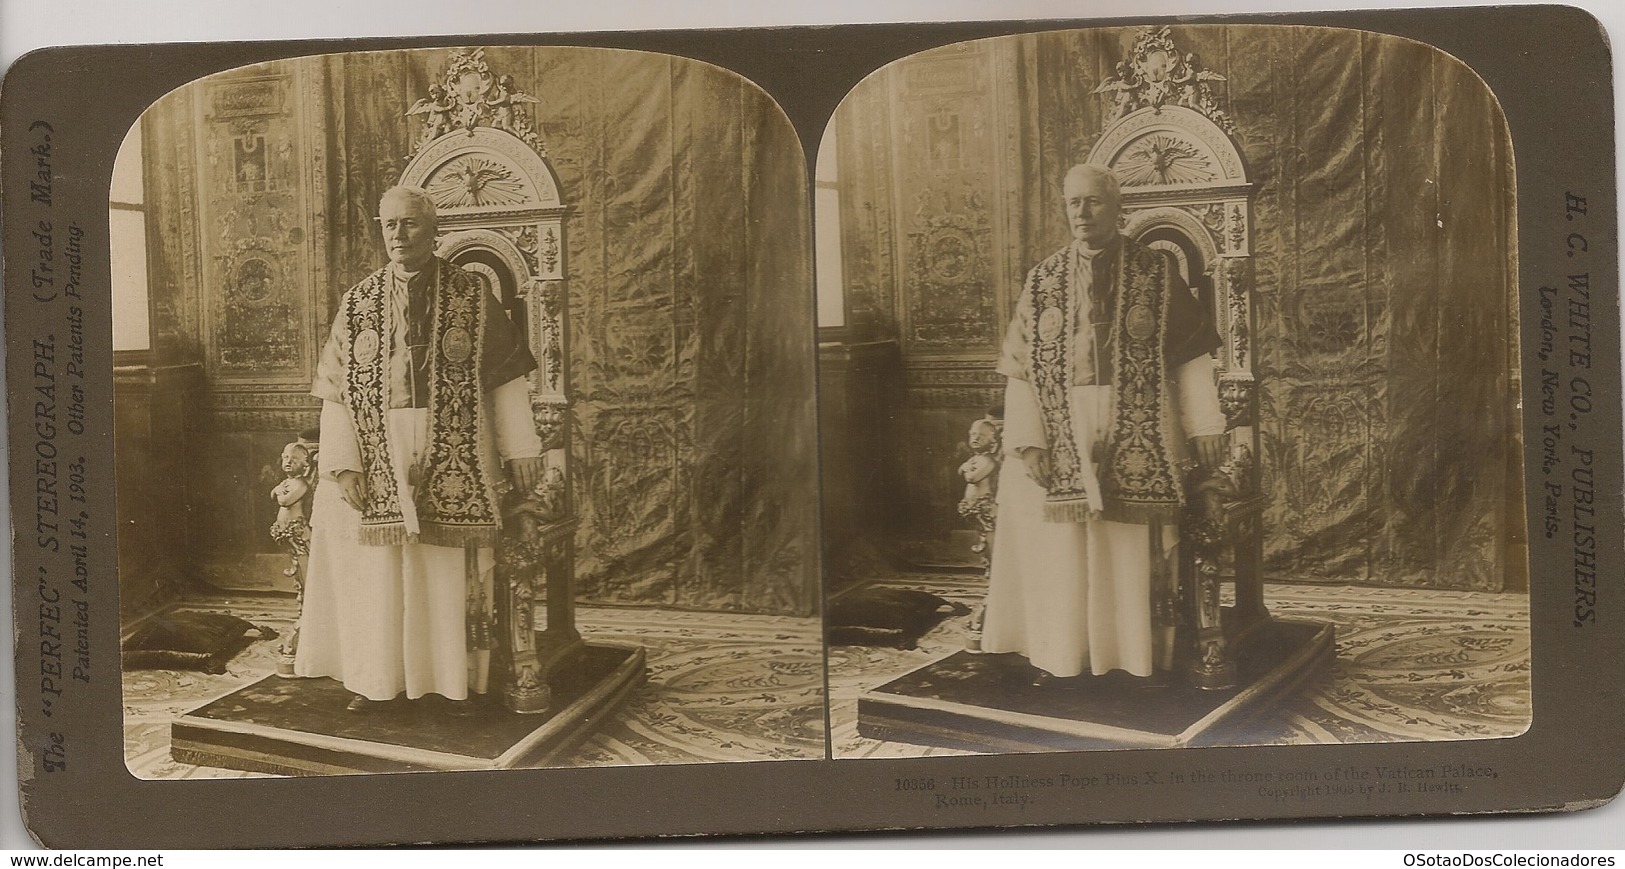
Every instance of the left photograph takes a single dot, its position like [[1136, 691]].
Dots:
[[465, 418]]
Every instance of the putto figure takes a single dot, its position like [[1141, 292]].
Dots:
[[469, 96], [980, 472], [436, 109], [1110, 394], [292, 496], [1155, 74], [424, 398], [501, 103]]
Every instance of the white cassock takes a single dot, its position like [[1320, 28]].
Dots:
[[391, 619], [1075, 597]]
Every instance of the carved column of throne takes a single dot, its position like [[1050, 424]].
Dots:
[[536, 558], [1221, 541], [502, 217], [1186, 191]]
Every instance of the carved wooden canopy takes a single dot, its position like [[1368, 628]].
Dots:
[[1174, 152], [500, 209]]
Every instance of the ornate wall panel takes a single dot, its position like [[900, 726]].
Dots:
[[943, 119], [260, 199]]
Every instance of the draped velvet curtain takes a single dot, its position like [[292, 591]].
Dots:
[[690, 300], [1384, 264]]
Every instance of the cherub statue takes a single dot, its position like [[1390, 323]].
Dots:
[[1126, 84], [292, 496], [1189, 77], [292, 526], [981, 473], [438, 109], [502, 104], [1184, 78]]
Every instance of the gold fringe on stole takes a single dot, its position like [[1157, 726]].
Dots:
[[384, 534], [436, 534], [394, 534], [1073, 510], [1078, 510]]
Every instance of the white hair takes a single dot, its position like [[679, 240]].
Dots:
[[1114, 189], [411, 194]]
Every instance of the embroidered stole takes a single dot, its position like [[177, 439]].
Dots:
[[454, 500], [1138, 479]]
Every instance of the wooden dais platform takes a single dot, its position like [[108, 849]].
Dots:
[[289, 726], [989, 702]]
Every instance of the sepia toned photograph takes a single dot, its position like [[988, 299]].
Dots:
[[1169, 396], [464, 418], [916, 428]]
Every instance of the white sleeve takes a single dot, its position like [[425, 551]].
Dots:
[[331, 366], [1023, 420], [515, 426], [340, 450], [1198, 394]]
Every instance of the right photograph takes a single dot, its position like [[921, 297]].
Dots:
[[1169, 396]]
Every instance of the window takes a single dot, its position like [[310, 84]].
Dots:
[[127, 247], [827, 235]]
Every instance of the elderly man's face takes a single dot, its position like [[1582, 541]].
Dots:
[[1092, 210], [408, 231]]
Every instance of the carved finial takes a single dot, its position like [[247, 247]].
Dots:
[[468, 96], [1155, 74]]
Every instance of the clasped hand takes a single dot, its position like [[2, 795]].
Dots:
[[527, 473]]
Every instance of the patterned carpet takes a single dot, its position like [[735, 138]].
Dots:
[[722, 687], [1411, 665]]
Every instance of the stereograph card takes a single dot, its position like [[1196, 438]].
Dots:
[[818, 429]]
